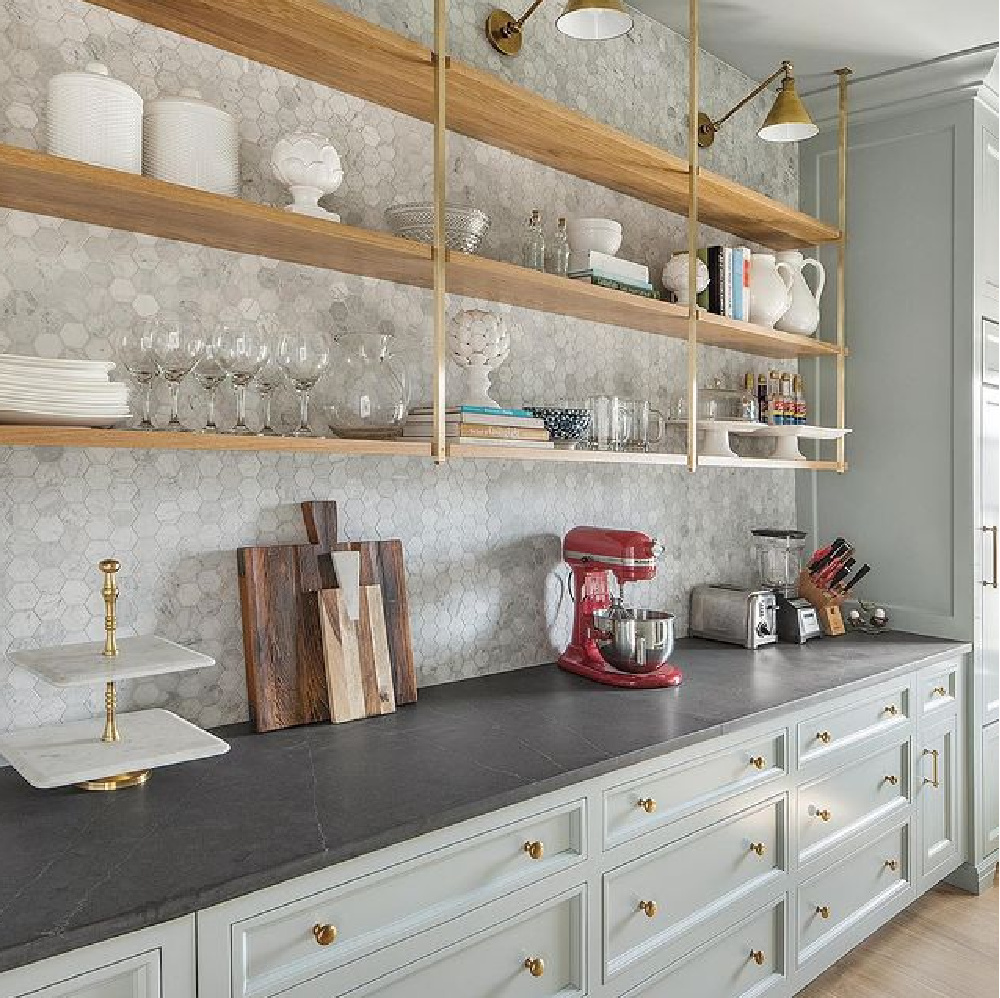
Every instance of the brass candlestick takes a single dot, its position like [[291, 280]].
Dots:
[[110, 593]]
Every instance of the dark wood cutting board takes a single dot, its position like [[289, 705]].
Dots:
[[282, 639]]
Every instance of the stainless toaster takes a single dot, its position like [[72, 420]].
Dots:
[[739, 616]]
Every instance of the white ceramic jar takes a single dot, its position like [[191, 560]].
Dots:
[[94, 118], [803, 314], [770, 289], [191, 142]]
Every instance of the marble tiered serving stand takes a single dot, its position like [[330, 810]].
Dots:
[[132, 744], [715, 436]]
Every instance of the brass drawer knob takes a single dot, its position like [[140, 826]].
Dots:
[[939, 691], [757, 847], [824, 736], [891, 780], [757, 955], [649, 908], [648, 804], [535, 966], [536, 849], [758, 761], [891, 864], [825, 814], [823, 911], [325, 934], [891, 709]]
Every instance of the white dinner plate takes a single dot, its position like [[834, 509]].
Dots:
[[14, 417]]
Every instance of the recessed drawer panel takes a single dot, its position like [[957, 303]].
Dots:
[[848, 891], [649, 902], [822, 736], [137, 977], [532, 956], [647, 804], [748, 958], [937, 689], [279, 948], [843, 801]]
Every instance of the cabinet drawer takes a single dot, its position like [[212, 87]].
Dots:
[[531, 956], [823, 735], [652, 900], [848, 891], [277, 949], [748, 958], [937, 689], [846, 799], [136, 977], [644, 805]]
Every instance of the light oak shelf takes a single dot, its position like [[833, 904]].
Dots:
[[311, 39]]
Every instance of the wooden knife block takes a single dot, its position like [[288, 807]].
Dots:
[[831, 620]]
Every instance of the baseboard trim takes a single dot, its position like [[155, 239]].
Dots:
[[972, 878]]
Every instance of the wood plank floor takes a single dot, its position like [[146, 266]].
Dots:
[[945, 945]]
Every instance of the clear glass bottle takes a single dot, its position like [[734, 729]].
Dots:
[[559, 251], [533, 250]]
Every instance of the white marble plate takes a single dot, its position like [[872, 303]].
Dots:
[[84, 665], [63, 754]]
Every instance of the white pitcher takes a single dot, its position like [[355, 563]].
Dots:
[[803, 316], [770, 289]]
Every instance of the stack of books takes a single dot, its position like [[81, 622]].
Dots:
[[610, 272], [728, 291], [474, 424]]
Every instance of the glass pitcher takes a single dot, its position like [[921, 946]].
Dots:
[[369, 389]]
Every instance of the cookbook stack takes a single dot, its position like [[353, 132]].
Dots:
[[472, 424], [42, 392]]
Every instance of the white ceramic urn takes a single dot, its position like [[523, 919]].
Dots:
[[770, 289], [803, 314], [676, 277]]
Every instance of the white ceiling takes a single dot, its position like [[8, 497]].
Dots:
[[870, 36]]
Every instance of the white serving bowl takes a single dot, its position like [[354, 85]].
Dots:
[[600, 235]]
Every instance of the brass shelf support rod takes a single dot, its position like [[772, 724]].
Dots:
[[842, 75], [440, 251], [692, 233]]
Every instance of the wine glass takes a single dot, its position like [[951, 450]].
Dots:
[[304, 356], [135, 350], [210, 372], [269, 378], [178, 346], [243, 351]]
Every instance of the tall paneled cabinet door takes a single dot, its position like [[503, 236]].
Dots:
[[988, 658], [989, 819], [989, 213], [157, 962], [938, 795]]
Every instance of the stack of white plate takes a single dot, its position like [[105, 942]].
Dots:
[[40, 392]]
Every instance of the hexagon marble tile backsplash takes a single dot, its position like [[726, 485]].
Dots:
[[482, 539]]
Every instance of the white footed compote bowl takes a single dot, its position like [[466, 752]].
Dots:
[[675, 277], [479, 342], [310, 167]]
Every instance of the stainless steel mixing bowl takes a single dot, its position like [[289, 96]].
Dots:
[[640, 643]]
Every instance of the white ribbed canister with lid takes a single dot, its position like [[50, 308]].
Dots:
[[94, 118], [191, 142]]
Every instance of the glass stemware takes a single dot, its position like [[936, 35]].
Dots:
[[269, 378], [210, 373], [304, 356], [134, 348], [244, 351], [178, 346]]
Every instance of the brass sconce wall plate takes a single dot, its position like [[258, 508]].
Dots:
[[503, 32]]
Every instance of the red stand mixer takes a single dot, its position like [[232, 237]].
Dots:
[[612, 644]]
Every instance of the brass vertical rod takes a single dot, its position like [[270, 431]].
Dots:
[[438, 442], [842, 74], [692, 232]]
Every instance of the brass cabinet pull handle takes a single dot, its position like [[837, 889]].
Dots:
[[324, 934], [891, 864], [823, 911], [939, 691], [649, 908], [757, 955], [891, 709], [933, 781], [757, 847], [996, 555], [758, 761], [648, 804], [536, 849], [824, 736], [891, 780], [825, 814], [535, 966]]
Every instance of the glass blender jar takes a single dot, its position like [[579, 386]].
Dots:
[[779, 559]]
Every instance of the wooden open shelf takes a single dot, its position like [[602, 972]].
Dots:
[[312, 39]]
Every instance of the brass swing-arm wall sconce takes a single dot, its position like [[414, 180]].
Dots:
[[787, 121], [588, 20]]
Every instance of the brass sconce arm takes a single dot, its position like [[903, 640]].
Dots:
[[707, 127]]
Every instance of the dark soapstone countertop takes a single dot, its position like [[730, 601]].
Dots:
[[77, 868]]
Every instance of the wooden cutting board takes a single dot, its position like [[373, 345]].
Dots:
[[282, 640], [358, 669]]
